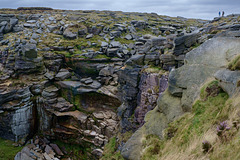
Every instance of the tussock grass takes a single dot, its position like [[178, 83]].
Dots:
[[235, 64], [110, 151], [184, 137]]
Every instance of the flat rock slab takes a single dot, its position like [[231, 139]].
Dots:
[[63, 75], [78, 87], [56, 149], [63, 105], [82, 117], [70, 84]]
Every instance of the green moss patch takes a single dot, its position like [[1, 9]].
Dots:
[[8, 150], [74, 151], [110, 151]]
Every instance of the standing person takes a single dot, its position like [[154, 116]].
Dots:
[[219, 13], [222, 13]]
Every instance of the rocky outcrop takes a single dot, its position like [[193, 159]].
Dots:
[[17, 113], [151, 86], [229, 80], [183, 43], [40, 148], [184, 87], [83, 76], [128, 79]]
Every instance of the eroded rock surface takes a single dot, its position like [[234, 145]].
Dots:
[[184, 87], [83, 76]]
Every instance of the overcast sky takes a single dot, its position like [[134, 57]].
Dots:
[[204, 9]]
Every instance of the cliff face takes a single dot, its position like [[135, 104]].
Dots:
[[82, 77], [201, 64]]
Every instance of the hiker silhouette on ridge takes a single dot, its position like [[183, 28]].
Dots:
[[222, 13], [219, 13]]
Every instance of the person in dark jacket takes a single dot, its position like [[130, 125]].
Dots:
[[222, 13], [219, 13]]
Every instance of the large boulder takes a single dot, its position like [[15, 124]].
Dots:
[[13, 22], [69, 35], [137, 59], [184, 42], [159, 41], [200, 65], [29, 51], [63, 74], [229, 80]]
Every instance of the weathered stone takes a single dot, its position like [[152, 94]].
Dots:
[[115, 44], [128, 37], [36, 89], [229, 80], [89, 36], [183, 42], [28, 25], [50, 92], [111, 52], [115, 33], [35, 36], [151, 58], [200, 65], [136, 59], [80, 116], [52, 28], [106, 71], [70, 84], [158, 41], [97, 152], [98, 115], [63, 105], [63, 75], [88, 81], [13, 22], [104, 44], [29, 50], [151, 86], [49, 75], [92, 87], [128, 80], [90, 133], [49, 150], [82, 32], [46, 156], [68, 34], [56, 149]]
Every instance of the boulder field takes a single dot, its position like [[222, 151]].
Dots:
[[80, 78]]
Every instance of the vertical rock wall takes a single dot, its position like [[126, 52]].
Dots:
[[151, 86], [17, 120]]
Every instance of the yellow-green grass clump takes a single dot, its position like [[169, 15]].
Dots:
[[185, 136], [235, 64], [110, 151]]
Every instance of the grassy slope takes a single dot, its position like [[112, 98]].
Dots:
[[7, 150], [110, 152], [184, 136]]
